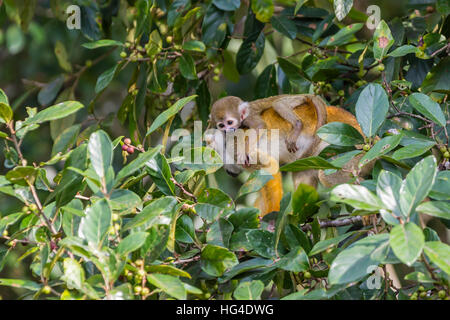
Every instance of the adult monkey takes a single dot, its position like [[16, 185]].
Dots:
[[310, 145]]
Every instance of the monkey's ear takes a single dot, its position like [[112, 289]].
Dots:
[[244, 110]]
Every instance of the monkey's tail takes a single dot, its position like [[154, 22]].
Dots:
[[321, 110], [270, 195]]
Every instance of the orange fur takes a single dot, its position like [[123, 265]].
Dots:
[[272, 192]]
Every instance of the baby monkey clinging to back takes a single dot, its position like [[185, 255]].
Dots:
[[231, 113]]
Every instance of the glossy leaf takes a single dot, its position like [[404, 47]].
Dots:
[[407, 241]]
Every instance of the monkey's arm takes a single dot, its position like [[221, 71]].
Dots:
[[284, 106]]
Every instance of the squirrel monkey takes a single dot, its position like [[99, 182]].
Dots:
[[309, 144], [231, 113]]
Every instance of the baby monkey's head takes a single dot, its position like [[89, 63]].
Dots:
[[228, 113]]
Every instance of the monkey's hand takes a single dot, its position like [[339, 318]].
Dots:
[[243, 159], [291, 143]]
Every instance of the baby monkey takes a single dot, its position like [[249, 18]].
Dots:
[[231, 113]]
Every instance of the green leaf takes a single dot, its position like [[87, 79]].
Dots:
[[316, 162], [407, 241], [245, 218], [160, 172], [381, 147], [194, 45], [353, 263], [102, 43], [216, 260], [403, 51], [166, 269], [418, 276], [169, 113], [171, 285], [344, 35], [417, 184], [249, 290], [22, 175], [246, 266], [100, 152], [295, 261], [304, 202], [138, 163], [187, 67], [413, 150], [371, 108], [299, 5], [6, 113], [185, 231], [256, 181], [73, 274], [160, 211], [66, 139], [388, 190], [18, 283], [219, 233], [131, 243], [49, 92], [439, 254], [214, 27], [342, 8], [266, 84], [429, 108], [105, 79], [227, 5], [9, 220], [329, 243], [383, 40], [124, 200], [213, 203], [358, 197], [440, 209], [438, 79], [263, 9], [441, 186], [62, 56], [250, 52], [95, 225], [284, 25], [58, 111], [262, 242], [3, 97], [340, 134]]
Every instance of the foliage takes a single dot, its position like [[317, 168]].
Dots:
[[159, 227]]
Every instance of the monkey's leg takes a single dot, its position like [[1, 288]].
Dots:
[[285, 108], [257, 123]]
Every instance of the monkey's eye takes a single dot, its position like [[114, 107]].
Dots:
[[221, 125], [230, 122]]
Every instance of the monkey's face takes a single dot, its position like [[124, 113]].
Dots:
[[225, 114], [228, 123]]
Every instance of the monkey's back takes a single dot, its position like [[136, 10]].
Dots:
[[307, 114]]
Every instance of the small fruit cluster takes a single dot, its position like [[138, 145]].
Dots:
[[138, 277], [31, 208], [424, 293], [127, 146], [445, 152]]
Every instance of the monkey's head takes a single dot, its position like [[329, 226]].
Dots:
[[228, 113]]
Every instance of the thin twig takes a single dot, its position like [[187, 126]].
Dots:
[[179, 185]]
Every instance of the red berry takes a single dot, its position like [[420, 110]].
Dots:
[[130, 150], [124, 147], [127, 141]]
